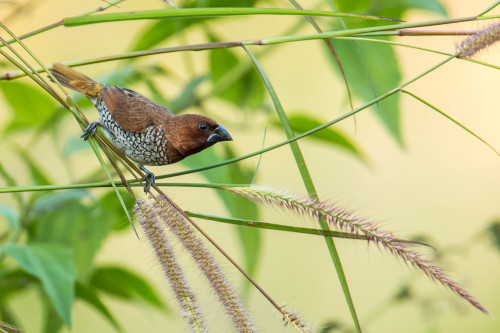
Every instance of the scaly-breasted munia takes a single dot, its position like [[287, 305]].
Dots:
[[142, 130]]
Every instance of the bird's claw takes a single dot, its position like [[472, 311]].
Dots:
[[90, 130], [149, 178]]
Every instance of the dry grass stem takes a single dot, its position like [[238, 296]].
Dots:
[[176, 222], [148, 219], [346, 221]]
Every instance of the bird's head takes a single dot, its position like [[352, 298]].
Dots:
[[191, 133]]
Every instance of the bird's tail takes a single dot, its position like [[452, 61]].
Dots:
[[75, 80]]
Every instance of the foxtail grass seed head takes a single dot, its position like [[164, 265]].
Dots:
[[347, 221], [180, 227], [148, 220], [479, 41], [291, 317]]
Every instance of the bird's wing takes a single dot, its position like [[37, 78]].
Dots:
[[132, 111]]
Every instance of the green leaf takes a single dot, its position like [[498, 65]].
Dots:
[[302, 122], [53, 265], [238, 207], [8, 316], [57, 199], [10, 181], [11, 215], [89, 295], [52, 323], [30, 106], [366, 63], [428, 5], [188, 95], [395, 9], [13, 281], [75, 225], [73, 145], [494, 233], [125, 284], [246, 90], [383, 68], [162, 30], [112, 210], [38, 175]]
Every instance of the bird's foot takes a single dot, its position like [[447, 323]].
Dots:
[[149, 178], [90, 130]]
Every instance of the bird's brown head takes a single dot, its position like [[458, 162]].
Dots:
[[191, 133]]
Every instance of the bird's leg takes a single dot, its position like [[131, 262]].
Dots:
[[149, 177], [90, 130]]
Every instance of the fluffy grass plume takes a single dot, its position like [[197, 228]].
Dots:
[[148, 220], [478, 41], [347, 221]]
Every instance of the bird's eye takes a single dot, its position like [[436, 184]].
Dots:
[[203, 127]]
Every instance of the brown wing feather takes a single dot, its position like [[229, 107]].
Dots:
[[132, 111]]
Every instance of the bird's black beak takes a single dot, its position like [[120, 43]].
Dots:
[[219, 134]]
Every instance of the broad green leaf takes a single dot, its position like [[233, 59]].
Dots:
[[302, 122], [247, 90], [53, 264], [164, 29], [11, 215], [160, 31], [494, 233], [10, 181], [74, 144], [383, 68], [237, 206], [38, 175], [52, 323], [428, 5], [388, 8], [112, 210], [188, 95], [372, 68], [7, 316], [30, 106], [75, 225], [13, 281], [57, 199], [89, 295], [126, 284]]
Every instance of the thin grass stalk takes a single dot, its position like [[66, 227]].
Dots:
[[24, 70], [230, 44], [221, 250], [180, 211], [307, 180], [207, 264], [280, 227], [78, 115], [208, 12], [452, 120], [148, 216], [9, 328], [61, 22], [316, 129], [347, 221], [329, 45]]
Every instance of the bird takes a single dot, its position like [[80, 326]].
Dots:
[[142, 130]]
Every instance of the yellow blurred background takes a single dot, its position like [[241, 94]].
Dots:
[[444, 183]]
